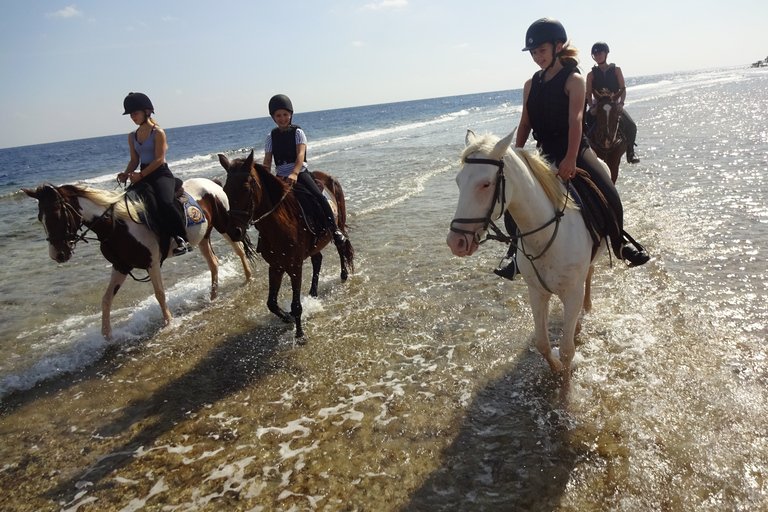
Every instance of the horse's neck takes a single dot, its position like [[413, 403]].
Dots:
[[90, 210], [528, 203]]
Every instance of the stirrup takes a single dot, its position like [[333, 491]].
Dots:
[[183, 246], [338, 237]]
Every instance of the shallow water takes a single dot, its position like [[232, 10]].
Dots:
[[419, 388]]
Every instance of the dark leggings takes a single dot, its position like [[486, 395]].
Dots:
[[600, 176], [163, 183], [306, 179]]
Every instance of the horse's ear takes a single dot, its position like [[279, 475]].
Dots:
[[503, 145], [470, 138], [249, 161], [224, 162], [616, 95], [30, 193]]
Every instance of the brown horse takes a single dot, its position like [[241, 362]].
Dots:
[[125, 241], [285, 237], [604, 135]]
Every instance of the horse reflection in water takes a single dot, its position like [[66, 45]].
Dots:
[[555, 251], [285, 238], [604, 135], [126, 242]]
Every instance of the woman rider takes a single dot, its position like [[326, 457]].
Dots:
[[553, 107], [148, 146], [287, 144]]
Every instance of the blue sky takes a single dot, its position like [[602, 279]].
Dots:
[[66, 66]]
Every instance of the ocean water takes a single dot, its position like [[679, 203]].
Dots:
[[419, 388]]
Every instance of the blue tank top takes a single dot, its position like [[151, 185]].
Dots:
[[146, 149]]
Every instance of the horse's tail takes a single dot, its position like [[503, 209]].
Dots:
[[346, 251]]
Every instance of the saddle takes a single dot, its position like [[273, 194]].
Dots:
[[185, 204], [311, 209], [598, 216]]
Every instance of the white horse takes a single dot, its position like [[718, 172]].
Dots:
[[555, 248], [125, 241]]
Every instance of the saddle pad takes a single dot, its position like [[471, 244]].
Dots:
[[192, 210]]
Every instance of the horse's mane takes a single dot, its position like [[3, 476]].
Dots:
[[541, 169], [123, 210], [274, 187]]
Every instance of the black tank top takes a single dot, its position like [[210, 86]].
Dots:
[[548, 112]]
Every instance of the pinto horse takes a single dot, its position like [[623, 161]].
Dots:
[[285, 240], [555, 249], [604, 135], [126, 242]]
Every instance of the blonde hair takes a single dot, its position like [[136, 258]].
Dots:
[[568, 55]]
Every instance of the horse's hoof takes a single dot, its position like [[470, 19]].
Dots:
[[301, 340], [344, 275]]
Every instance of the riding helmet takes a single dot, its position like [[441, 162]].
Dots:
[[280, 101], [545, 30], [600, 46], [137, 101]]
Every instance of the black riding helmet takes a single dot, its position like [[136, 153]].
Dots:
[[280, 101], [545, 30], [137, 101], [600, 46]]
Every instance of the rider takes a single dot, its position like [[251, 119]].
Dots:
[[288, 144], [553, 107], [148, 145], [609, 76]]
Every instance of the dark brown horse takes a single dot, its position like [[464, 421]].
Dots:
[[125, 241], [285, 237], [604, 136]]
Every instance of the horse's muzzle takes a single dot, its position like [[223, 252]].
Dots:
[[236, 233]]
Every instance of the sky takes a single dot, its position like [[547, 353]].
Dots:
[[65, 66]]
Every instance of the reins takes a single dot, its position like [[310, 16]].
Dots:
[[250, 207], [499, 196]]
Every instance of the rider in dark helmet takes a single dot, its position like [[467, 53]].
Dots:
[[609, 76], [553, 109], [148, 146], [287, 144]]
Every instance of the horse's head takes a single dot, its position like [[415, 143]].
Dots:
[[58, 211], [481, 188], [243, 191], [607, 118]]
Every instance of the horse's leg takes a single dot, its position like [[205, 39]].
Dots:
[[240, 251], [572, 304], [213, 264], [588, 290], [540, 309], [296, 308], [275, 280], [344, 272], [317, 261], [156, 277], [116, 280]]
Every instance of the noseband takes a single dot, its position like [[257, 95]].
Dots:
[[499, 196]]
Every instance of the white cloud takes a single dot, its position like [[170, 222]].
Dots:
[[357, 44], [67, 12], [387, 4]]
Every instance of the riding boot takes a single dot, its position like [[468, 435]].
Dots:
[[510, 269], [628, 130], [338, 237], [631, 157], [634, 253], [182, 246]]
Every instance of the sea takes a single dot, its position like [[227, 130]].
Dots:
[[419, 388]]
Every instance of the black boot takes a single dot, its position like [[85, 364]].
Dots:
[[182, 246], [635, 257], [632, 158], [338, 237], [510, 270]]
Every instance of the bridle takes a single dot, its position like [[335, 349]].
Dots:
[[245, 217], [594, 133], [499, 196], [74, 222]]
